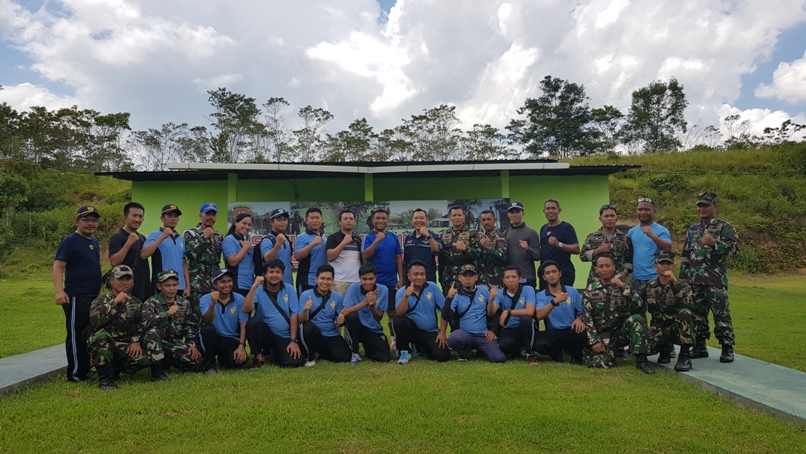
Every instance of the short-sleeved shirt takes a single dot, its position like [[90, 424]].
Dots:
[[326, 309], [283, 254], [355, 294], [228, 318], [504, 300], [142, 274], [266, 310], [348, 262], [82, 274], [170, 255], [385, 257], [474, 320], [565, 233], [423, 309], [562, 316], [419, 249], [644, 249], [306, 268], [244, 271]]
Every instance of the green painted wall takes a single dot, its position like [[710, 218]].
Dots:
[[580, 196]]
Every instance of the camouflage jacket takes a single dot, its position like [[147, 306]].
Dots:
[[121, 321], [454, 258], [663, 302], [701, 264], [491, 262], [605, 307], [621, 250], [203, 257], [184, 324]]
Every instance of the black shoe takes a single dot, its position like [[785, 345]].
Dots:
[[643, 365], [683, 362], [576, 361], [106, 383], [664, 357], [463, 354], [699, 351], [157, 374], [727, 354]]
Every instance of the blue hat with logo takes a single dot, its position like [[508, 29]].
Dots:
[[171, 208], [86, 211], [221, 273], [208, 207], [278, 212]]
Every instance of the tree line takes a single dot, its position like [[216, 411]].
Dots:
[[560, 123]]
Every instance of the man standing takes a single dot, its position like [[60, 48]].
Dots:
[[422, 245], [125, 246], [320, 320], [203, 246], [364, 306], [77, 281], [703, 265], [167, 249], [311, 250], [558, 240], [523, 244], [416, 321], [383, 250], [560, 308], [276, 244], [608, 240], [224, 332], [344, 253], [459, 246], [515, 306], [493, 253], [648, 237]]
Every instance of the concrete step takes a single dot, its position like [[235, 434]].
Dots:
[[20, 371]]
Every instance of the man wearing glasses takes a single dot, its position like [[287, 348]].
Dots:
[[608, 240]]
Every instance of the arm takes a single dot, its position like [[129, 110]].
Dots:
[[333, 253], [587, 251], [249, 299], [209, 314], [150, 249], [528, 311], [399, 263], [662, 243], [303, 253], [117, 251], [58, 281], [272, 253], [369, 249], [186, 273]]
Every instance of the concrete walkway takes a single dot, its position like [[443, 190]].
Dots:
[[19, 371]]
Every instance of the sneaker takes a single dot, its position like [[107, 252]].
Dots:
[[461, 360], [404, 357], [532, 360], [310, 363], [393, 346], [355, 359], [211, 371]]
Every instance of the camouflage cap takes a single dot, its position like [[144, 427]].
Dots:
[[120, 271], [86, 211], [167, 274], [706, 198], [664, 256], [468, 269]]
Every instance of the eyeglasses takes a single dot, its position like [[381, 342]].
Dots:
[[607, 207], [647, 200]]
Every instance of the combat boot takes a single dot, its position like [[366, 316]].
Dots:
[[727, 354], [642, 364], [683, 359], [157, 373], [105, 381], [699, 351], [664, 356]]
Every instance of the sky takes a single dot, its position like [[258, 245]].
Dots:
[[386, 60]]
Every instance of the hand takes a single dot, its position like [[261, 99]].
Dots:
[[245, 244], [121, 297], [167, 231], [442, 340], [240, 355], [186, 292], [708, 240], [461, 245], [400, 284], [214, 297], [293, 350], [372, 298], [598, 347], [317, 240], [423, 231], [485, 242], [62, 298], [577, 326], [134, 349], [604, 248], [554, 241], [524, 245], [504, 317], [208, 232], [493, 292], [340, 319], [347, 239], [670, 275], [308, 304], [133, 238], [258, 281], [409, 290], [490, 336], [452, 290], [380, 237], [194, 353], [647, 231], [281, 238], [617, 282], [561, 297], [172, 310]]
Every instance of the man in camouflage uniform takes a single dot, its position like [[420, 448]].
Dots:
[[608, 240], [203, 252], [170, 328], [114, 339], [492, 256], [611, 320], [708, 245], [669, 302], [459, 246]]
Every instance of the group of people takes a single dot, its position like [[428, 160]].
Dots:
[[462, 290]]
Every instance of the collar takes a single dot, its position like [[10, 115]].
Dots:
[[364, 292], [463, 292], [311, 232], [523, 224], [548, 292]]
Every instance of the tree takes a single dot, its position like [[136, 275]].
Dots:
[[309, 137], [356, 144], [608, 122], [783, 133], [235, 117], [485, 142], [657, 116], [278, 147], [432, 136], [171, 143]]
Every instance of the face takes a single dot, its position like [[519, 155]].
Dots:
[[457, 218], [324, 281], [279, 224], [314, 221], [87, 225], [170, 220], [347, 221], [511, 279], [368, 281], [468, 280], [224, 285], [169, 288], [706, 211], [552, 274], [645, 212], [515, 217], [419, 219], [417, 275], [664, 266], [134, 219], [208, 219], [273, 276], [605, 268], [380, 221], [244, 226], [121, 284], [552, 211], [608, 219], [487, 222]]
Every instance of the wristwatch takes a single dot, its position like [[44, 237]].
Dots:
[[295, 340], [554, 303]]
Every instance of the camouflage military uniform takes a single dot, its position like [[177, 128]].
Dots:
[[610, 318], [452, 259], [113, 327], [703, 267], [491, 262], [670, 306], [621, 251], [204, 259], [171, 337]]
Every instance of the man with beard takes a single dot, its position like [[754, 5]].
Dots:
[[125, 246], [416, 321]]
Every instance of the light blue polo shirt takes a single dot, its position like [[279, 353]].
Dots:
[[475, 320], [385, 257], [504, 301], [316, 258], [562, 316], [171, 255], [355, 296], [325, 319], [422, 310], [228, 318], [287, 300], [644, 249], [246, 269], [284, 254]]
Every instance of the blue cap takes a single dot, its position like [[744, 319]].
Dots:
[[277, 212], [515, 206], [221, 273], [85, 211], [208, 207]]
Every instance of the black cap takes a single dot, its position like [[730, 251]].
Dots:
[[171, 208], [515, 206], [278, 212], [468, 269], [221, 273], [86, 211]]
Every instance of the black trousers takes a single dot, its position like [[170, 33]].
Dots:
[[408, 333], [263, 341], [331, 348], [376, 346], [552, 343], [513, 340], [77, 320], [214, 346]]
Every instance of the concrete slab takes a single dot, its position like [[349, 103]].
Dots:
[[758, 385], [19, 371]]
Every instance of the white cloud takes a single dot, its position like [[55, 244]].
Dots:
[[220, 80], [788, 82], [25, 96]]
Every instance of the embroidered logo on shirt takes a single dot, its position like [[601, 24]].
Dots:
[[232, 310], [428, 295]]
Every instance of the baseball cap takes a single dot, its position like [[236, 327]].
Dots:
[[221, 273], [88, 210], [664, 256], [167, 274], [706, 198], [171, 208], [277, 212], [468, 269], [378, 210], [515, 206], [121, 270], [208, 207]]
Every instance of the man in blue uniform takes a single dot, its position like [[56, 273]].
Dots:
[[224, 333], [276, 245], [320, 320], [167, 249], [364, 305], [416, 321], [514, 305], [560, 308], [310, 250]]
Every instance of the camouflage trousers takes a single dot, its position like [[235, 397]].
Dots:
[[632, 332], [674, 330], [714, 299], [105, 349], [158, 347]]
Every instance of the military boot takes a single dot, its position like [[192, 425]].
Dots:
[[105, 380], [157, 373], [665, 356], [699, 350], [683, 359], [727, 354], [642, 364]]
